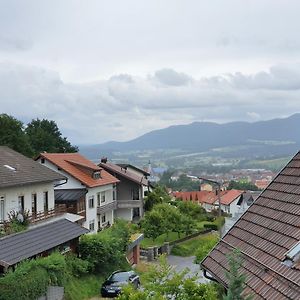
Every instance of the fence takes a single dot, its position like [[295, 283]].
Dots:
[[151, 253]]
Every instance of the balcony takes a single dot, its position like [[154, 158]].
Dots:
[[41, 216], [130, 203], [106, 207]]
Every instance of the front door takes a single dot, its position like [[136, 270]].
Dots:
[[2, 213]]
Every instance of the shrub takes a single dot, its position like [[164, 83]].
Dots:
[[205, 246], [211, 226]]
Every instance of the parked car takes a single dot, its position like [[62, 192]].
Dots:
[[112, 286]]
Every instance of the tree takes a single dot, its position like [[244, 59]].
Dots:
[[12, 135], [236, 280], [157, 196], [153, 224], [44, 135], [242, 185], [161, 282]]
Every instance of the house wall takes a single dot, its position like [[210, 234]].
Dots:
[[73, 183], [233, 208], [125, 188], [124, 213], [91, 213], [109, 218], [11, 197]]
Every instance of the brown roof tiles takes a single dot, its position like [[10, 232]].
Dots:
[[264, 234], [80, 168]]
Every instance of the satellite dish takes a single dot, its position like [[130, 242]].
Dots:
[[20, 218]]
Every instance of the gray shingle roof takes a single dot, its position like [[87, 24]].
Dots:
[[17, 169], [17, 247], [69, 195]]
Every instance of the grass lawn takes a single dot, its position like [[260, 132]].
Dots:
[[193, 246], [84, 287], [148, 242]]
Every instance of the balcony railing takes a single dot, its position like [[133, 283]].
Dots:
[[129, 203], [106, 207], [41, 216]]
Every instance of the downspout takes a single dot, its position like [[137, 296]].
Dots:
[[209, 277], [58, 184]]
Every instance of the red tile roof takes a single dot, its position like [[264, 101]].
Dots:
[[229, 196], [264, 234], [80, 168], [208, 197]]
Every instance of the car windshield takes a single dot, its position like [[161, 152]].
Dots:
[[118, 277]]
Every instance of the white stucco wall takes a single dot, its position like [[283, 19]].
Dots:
[[73, 183], [11, 197]]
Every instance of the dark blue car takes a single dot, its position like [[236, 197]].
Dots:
[[112, 286]]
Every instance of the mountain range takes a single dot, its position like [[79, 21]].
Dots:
[[263, 138]]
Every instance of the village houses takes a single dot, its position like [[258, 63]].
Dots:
[[27, 191]]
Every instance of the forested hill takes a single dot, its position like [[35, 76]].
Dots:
[[281, 135]]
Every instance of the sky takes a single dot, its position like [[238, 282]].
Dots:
[[114, 70]]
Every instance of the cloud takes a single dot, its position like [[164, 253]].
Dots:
[[126, 106], [171, 77], [14, 44]]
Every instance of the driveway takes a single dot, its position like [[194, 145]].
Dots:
[[180, 263]]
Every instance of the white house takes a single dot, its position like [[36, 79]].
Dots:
[[89, 188], [25, 185], [28, 187]]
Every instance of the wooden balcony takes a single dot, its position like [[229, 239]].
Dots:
[[129, 203], [106, 207], [41, 216]]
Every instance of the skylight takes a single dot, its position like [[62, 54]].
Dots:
[[294, 253], [10, 168]]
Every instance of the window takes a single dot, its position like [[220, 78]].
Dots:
[[98, 199], [92, 225], [91, 202], [45, 198], [96, 175], [135, 194], [114, 192], [103, 219], [102, 197], [2, 213], [33, 204], [42, 160], [21, 203]]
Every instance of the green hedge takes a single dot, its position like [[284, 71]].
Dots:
[[32, 277]]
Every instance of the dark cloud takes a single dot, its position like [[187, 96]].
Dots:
[[171, 77], [124, 107]]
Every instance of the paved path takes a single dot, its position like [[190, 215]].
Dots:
[[180, 263]]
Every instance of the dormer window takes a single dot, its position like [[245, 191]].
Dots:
[[97, 175]]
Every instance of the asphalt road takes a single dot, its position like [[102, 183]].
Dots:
[[180, 263]]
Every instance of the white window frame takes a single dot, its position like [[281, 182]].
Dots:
[[91, 201], [92, 225]]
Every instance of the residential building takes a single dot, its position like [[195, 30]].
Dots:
[[268, 238], [90, 190], [28, 187], [140, 173], [25, 185], [129, 192]]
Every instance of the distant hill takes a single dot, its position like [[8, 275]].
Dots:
[[280, 136]]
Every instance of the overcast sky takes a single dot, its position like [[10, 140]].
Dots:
[[113, 70]]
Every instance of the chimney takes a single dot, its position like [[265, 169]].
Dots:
[[104, 160]]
